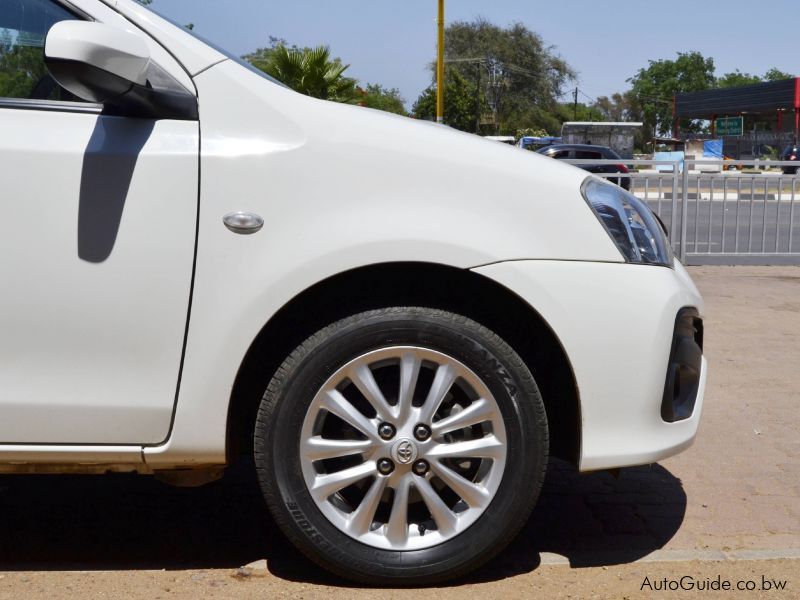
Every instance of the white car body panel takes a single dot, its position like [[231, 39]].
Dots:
[[615, 323], [339, 188], [96, 275], [393, 205]]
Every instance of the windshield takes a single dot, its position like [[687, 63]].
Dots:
[[230, 55]]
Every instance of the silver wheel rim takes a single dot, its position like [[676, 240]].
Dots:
[[342, 450]]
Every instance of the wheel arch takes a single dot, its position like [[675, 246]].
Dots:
[[411, 284]]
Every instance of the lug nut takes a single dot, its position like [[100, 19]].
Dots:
[[385, 466], [386, 431], [422, 432], [421, 467]]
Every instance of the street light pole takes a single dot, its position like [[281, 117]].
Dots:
[[440, 67]]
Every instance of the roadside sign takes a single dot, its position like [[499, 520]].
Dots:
[[730, 126]]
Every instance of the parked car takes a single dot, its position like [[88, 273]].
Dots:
[[398, 323], [791, 152], [590, 152], [534, 143]]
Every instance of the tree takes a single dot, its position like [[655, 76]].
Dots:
[[313, 72], [531, 132], [776, 75], [378, 97], [514, 72], [619, 107], [310, 71], [737, 78], [260, 58], [655, 86], [568, 111], [21, 67], [462, 108]]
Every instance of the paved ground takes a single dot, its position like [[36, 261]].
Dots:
[[734, 495]]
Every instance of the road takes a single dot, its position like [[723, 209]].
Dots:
[[728, 507]]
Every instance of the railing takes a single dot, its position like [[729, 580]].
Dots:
[[715, 215]]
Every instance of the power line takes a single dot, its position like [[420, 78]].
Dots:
[[505, 66], [593, 100]]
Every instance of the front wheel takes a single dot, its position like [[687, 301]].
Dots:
[[401, 446]]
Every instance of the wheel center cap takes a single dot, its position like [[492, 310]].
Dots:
[[404, 451]]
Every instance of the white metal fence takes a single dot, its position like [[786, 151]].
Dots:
[[731, 212]]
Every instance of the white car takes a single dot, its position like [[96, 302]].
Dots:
[[199, 263]]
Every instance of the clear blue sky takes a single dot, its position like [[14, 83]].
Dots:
[[392, 41]]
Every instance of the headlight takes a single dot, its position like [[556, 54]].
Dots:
[[631, 224]]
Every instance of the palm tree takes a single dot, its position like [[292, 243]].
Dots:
[[310, 71]]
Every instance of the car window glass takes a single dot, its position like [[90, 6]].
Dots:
[[560, 154], [587, 154], [23, 28]]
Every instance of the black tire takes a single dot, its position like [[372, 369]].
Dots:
[[284, 406]]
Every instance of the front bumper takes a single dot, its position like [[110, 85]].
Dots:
[[617, 324]]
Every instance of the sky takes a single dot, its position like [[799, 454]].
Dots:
[[392, 42]]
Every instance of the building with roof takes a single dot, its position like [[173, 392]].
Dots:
[[771, 113], [617, 136]]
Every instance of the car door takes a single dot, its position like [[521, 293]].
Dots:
[[561, 154], [591, 155], [97, 232]]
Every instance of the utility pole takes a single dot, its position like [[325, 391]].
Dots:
[[478, 67], [440, 67], [575, 106]]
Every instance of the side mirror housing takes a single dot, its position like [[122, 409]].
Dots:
[[106, 65]]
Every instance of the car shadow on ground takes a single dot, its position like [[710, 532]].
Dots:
[[595, 519], [122, 522]]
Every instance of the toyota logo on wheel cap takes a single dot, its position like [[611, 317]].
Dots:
[[404, 451]]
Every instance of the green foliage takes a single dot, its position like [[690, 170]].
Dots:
[[776, 75], [517, 76], [260, 58], [378, 97], [313, 72], [462, 109], [551, 120], [619, 107], [655, 86], [21, 67], [531, 132], [737, 78], [310, 71], [567, 112], [624, 107]]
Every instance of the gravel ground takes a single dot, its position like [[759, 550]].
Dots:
[[625, 582], [736, 491]]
